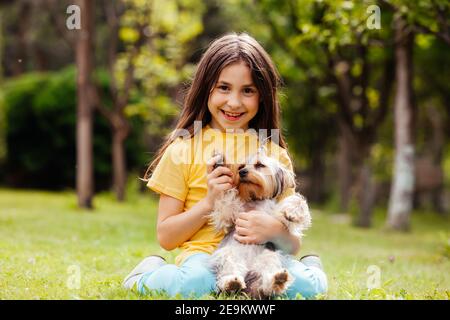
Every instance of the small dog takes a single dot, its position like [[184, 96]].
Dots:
[[256, 269]]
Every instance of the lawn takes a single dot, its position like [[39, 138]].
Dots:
[[49, 249]]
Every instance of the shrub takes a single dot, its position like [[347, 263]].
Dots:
[[39, 128]]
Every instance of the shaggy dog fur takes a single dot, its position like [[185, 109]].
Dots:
[[257, 270]]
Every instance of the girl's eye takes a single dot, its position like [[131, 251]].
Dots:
[[259, 165], [223, 88], [249, 91]]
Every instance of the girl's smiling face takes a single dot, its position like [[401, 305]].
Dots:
[[234, 99]]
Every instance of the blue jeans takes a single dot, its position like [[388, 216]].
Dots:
[[194, 279]]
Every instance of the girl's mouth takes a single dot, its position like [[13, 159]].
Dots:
[[232, 116]]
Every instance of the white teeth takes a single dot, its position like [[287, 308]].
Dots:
[[232, 114]]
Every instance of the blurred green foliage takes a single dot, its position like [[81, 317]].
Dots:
[[40, 112], [161, 66], [300, 35]]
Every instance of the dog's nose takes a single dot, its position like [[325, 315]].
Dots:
[[243, 173]]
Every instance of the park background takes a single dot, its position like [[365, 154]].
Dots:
[[88, 93]]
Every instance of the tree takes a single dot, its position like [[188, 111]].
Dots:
[[120, 127], [2, 41], [402, 188], [432, 92], [84, 56], [429, 17], [155, 38]]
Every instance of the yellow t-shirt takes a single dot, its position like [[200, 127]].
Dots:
[[181, 173]]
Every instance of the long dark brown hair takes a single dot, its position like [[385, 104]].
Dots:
[[222, 52]]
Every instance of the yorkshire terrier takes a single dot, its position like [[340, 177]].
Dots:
[[257, 270]]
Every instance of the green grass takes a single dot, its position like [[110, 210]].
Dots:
[[45, 240]]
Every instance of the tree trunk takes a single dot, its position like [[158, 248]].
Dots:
[[344, 170], [366, 197], [362, 188], [317, 174], [19, 63], [2, 49], [84, 55], [40, 58], [437, 146], [119, 164], [120, 127], [401, 197]]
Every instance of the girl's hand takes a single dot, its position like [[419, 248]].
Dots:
[[219, 180], [256, 227]]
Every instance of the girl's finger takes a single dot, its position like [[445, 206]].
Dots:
[[243, 239], [220, 180], [242, 223], [220, 171], [224, 186], [242, 231], [243, 216]]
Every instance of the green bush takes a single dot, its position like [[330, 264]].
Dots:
[[39, 111]]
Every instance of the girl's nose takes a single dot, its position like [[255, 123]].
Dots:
[[234, 101]]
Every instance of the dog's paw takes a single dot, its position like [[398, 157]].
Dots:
[[280, 282], [231, 284], [294, 213], [291, 216]]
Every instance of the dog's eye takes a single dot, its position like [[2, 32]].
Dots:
[[259, 165], [241, 166]]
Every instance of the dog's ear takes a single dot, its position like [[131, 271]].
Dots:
[[284, 179]]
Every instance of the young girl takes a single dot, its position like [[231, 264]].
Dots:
[[232, 96]]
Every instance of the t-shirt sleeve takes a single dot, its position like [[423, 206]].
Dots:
[[170, 175], [286, 161]]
